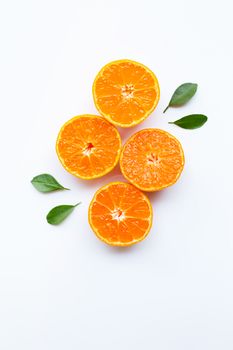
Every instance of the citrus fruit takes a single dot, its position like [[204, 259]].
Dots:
[[88, 146], [120, 214], [125, 92], [152, 159]]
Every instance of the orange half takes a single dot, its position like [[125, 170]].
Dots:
[[88, 146], [120, 214], [152, 159], [125, 92]]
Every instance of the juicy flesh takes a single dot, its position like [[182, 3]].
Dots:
[[152, 160], [88, 146], [120, 213], [126, 91]]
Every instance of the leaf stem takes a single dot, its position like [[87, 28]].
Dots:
[[77, 204], [166, 109]]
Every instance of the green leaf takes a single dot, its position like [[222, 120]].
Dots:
[[192, 121], [182, 95], [60, 213], [46, 183]]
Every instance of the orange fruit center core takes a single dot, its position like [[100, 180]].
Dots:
[[153, 159], [88, 149], [127, 91], [118, 215]]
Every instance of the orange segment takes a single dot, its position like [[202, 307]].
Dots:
[[120, 214], [126, 92], [152, 159], [88, 146]]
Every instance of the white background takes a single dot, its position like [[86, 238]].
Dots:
[[60, 287]]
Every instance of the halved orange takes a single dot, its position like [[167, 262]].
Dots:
[[125, 92], [88, 146], [120, 214], [152, 159]]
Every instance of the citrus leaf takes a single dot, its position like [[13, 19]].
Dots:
[[60, 213], [192, 121], [46, 183], [182, 95]]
